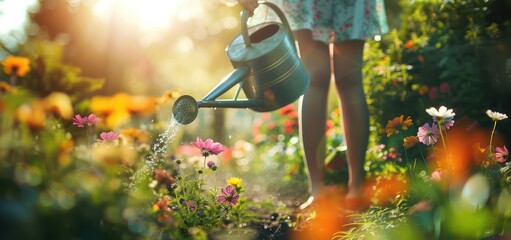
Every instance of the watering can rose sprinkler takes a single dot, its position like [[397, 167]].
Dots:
[[266, 66]]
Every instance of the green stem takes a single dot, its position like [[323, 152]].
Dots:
[[492, 132], [12, 80], [442, 135], [424, 159]]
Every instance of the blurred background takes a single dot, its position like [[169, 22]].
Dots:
[[140, 47]]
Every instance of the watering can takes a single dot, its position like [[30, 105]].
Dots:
[[266, 66]]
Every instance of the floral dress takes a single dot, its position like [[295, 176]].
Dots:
[[330, 20]]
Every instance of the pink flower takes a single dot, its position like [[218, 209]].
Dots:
[[436, 176], [90, 120], [444, 88], [229, 196], [208, 147], [501, 154], [428, 135], [108, 136], [433, 93]]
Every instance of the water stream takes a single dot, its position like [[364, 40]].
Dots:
[[159, 148]]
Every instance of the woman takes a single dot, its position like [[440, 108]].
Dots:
[[345, 25]]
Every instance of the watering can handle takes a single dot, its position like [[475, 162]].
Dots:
[[276, 9]]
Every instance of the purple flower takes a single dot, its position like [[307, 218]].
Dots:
[[428, 135], [501, 154], [208, 147], [81, 122], [108, 136], [211, 164], [229, 196]]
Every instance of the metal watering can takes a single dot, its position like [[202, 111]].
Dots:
[[267, 68]]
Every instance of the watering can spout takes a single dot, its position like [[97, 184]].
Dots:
[[267, 68]]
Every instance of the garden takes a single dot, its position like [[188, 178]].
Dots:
[[90, 149]]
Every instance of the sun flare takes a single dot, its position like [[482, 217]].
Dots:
[[147, 15]]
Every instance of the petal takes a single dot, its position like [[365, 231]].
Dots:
[[208, 143]]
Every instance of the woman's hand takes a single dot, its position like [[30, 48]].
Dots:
[[249, 5]]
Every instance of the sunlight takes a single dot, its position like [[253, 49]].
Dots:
[[13, 18], [148, 15]]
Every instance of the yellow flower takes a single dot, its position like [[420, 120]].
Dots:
[[16, 65], [142, 105], [134, 134], [234, 181], [117, 109], [59, 104]]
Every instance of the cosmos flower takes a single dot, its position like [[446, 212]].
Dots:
[[428, 135], [495, 116], [18, 66], [108, 136], [229, 196], [443, 116], [81, 122], [208, 147], [501, 154]]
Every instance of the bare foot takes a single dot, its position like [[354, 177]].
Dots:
[[356, 201]]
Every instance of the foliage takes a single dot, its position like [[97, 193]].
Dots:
[[430, 61]]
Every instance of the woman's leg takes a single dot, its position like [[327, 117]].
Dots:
[[316, 60], [347, 62]]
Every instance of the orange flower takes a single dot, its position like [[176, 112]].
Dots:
[[423, 90], [169, 95], [397, 123], [410, 141], [18, 66], [33, 115], [65, 149], [5, 87], [420, 58], [410, 44]]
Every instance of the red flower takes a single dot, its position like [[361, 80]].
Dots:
[[286, 110]]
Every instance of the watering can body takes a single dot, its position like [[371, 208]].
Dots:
[[266, 66]]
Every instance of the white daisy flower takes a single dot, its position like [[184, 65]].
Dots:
[[495, 116], [441, 114]]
